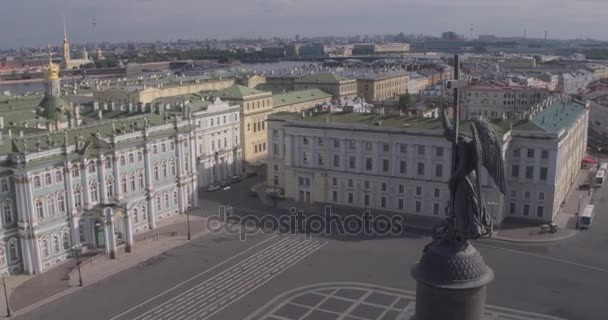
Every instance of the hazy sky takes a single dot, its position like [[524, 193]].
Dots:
[[36, 22]]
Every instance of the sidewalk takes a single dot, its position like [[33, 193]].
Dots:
[[29, 292], [566, 219]]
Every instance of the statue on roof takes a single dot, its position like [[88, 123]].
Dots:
[[468, 216]]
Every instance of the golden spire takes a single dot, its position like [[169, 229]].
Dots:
[[52, 70], [65, 33]]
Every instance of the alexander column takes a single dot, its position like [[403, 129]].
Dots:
[[451, 274]]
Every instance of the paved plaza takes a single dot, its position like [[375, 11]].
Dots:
[[359, 301]]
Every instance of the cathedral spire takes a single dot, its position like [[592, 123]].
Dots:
[[65, 63]]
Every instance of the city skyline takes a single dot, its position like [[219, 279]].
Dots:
[[151, 20]]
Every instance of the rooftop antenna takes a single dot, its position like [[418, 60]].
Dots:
[[546, 35], [525, 33]]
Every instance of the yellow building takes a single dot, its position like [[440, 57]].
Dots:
[[255, 107], [378, 87], [337, 85], [138, 93]]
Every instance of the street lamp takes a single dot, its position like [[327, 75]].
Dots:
[[8, 307], [76, 249], [188, 223]]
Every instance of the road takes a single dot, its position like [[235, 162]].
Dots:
[[223, 277]]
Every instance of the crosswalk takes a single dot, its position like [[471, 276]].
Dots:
[[209, 297]]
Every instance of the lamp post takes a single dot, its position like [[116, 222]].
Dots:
[[76, 249], [188, 223], [8, 307]]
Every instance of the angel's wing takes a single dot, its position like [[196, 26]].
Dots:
[[488, 146], [448, 127]]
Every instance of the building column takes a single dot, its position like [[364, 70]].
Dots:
[[150, 187], [110, 235], [102, 179], [86, 190], [117, 179], [71, 206], [34, 246], [194, 171]]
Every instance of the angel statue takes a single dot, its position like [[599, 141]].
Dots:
[[468, 217]]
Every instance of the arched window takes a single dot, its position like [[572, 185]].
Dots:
[[172, 145], [61, 202], [173, 171], [7, 207], [132, 182], [48, 179], [59, 175], [154, 149], [91, 166], [109, 187], [140, 157], [123, 183], [50, 205], [44, 247], [56, 246], [65, 237], [77, 197], [94, 192], [156, 173], [131, 158], [140, 177], [135, 215], [108, 162], [167, 203], [37, 182], [164, 169], [39, 208], [12, 250], [123, 161], [158, 203], [163, 147], [175, 197], [75, 171], [143, 212]]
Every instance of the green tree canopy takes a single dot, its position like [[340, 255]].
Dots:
[[406, 101]]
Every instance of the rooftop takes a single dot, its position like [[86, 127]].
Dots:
[[386, 120], [322, 77], [294, 97], [237, 92], [559, 115]]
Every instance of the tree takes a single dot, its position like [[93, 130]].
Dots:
[[406, 102]]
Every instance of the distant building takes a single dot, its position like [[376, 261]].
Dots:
[[274, 52], [297, 101], [379, 86], [380, 49], [499, 101], [312, 50], [332, 83], [450, 35]]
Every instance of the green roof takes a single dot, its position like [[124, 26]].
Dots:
[[294, 97], [559, 115], [322, 77], [237, 92]]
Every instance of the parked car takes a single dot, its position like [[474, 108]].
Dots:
[[250, 174], [256, 164], [235, 179], [252, 192], [224, 183], [272, 194], [213, 187], [584, 186]]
